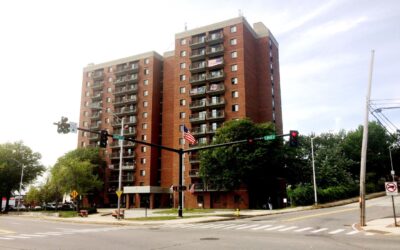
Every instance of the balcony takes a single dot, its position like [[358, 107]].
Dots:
[[215, 38], [125, 69], [214, 89], [96, 75], [125, 101], [132, 110], [214, 116], [194, 158], [126, 90], [126, 80], [197, 54], [218, 75], [197, 42], [197, 105], [198, 92], [96, 126], [194, 173], [124, 167], [127, 144], [129, 122], [215, 63], [125, 178], [98, 85], [198, 186], [197, 131], [215, 50], [95, 116], [216, 102], [124, 155], [197, 118], [197, 79], [97, 97], [198, 67], [94, 137]]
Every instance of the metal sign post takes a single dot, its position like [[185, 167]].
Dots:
[[391, 189]]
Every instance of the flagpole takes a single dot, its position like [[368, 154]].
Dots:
[[183, 170]]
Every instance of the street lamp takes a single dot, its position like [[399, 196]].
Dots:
[[391, 161], [313, 168], [20, 182], [121, 144]]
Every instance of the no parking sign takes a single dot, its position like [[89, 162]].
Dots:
[[391, 188]]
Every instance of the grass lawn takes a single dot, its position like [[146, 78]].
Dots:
[[160, 218]]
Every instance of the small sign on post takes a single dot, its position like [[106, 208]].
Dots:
[[269, 137], [391, 188], [74, 194], [119, 192]]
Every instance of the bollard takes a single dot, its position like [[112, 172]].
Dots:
[[237, 212]]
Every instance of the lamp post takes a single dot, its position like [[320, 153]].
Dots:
[[121, 148], [20, 182], [313, 168]]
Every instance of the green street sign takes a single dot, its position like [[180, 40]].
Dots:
[[269, 137], [119, 137]]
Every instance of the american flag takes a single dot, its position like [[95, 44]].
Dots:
[[188, 136]]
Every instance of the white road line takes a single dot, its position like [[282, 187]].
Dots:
[[51, 233], [319, 230], [273, 228], [250, 226], [369, 234], [218, 226], [17, 237], [230, 227], [336, 231], [5, 238], [33, 235], [223, 226], [287, 229], [303, 229], [207, 226], [353, 232], [262, 227]]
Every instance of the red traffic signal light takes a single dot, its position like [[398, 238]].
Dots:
[[294, 138], [250, 141]]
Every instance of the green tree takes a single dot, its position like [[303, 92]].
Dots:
[[253, 166], [77, 170], [32, 197], [14, 157]]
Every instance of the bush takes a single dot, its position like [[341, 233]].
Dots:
[[91, 210], [304, 194]]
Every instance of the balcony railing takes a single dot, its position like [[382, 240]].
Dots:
[[215, 50], [216, 75], [95, 116], [127, 79], [199, 91], [123, 101], [216, 89], [216, 102], [215, 63], [194, 158], [126, 111], [197, 42], [125, 178], [198, 79], [198, 186], [124, 69], [95, 126], [220, 114], [124, 155], [197, 104], [124, 167], [215, 38], [197, 54], [97, 96], [198, 67], [127, 144], [126, 90], [94, 137], [97, 74], [194, 173], [126, 122], [197, 118], [97, 85], [199, 131]]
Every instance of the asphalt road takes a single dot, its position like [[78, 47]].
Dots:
[[330, 228]]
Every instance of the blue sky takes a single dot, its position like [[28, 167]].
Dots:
[[325, 50]]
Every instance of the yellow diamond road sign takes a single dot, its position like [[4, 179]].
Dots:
[[74, 194], [119, 192]]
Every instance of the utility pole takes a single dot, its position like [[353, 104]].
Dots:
[[313, 169], [365, 145]]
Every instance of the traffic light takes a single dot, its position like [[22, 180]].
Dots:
[[294, 138], [103, 138], [250, 141], [63, 126]]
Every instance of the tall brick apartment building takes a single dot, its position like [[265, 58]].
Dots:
[[220, 72]]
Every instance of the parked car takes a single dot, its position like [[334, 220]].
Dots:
[[68, 206]]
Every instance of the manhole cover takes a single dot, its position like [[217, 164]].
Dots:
[[209, 238]]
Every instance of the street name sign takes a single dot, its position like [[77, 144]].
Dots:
[[269, 137], [391, 188], [118, 137]]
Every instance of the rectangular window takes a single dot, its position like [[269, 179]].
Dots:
[[146, 71], [144, 137], [183, 41], [146, 61], [183, 53], [145, 93], [143, 160], [181, 141], [182, 77], [235, 107], [145, 104], [108, 99], [235, 94], [234, 80], [144, 114], [233, 41], [182, 115], [143, 149], [109, 90], [182, 90], [233, 29], [144, 126], [234, 67], [234, 54], [182, 102], [142, 172], [146, 82], [183, 65]]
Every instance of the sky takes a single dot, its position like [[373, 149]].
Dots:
[[325, 55]]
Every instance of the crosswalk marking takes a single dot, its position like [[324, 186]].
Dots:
[[353, 232], [248, 226], [220, 226], [274, 228], [33, 235], [5, 238], [236, 225], [319, 230], [336, 231], [262, 227], [303, 229], [287, 229], [17, 237], [369, 234]]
